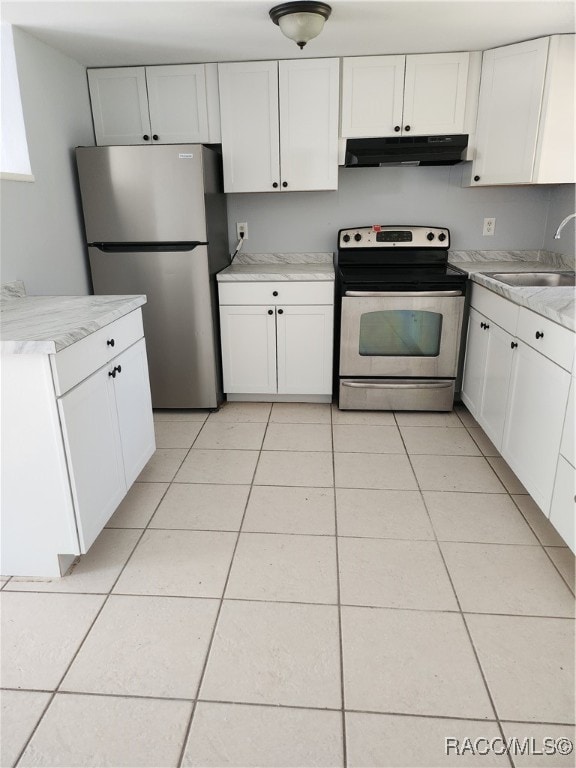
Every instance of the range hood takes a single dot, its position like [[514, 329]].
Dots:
[[405, 150]]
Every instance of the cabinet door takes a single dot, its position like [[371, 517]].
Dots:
[[177, 102], [435, 93], [250, 126], [509, 112], [309, 92], [94, 453], [119, 105], [305, 350], [248, 337], [563, 509], [475, 363], [493, 405], [134, 407], [536, 406], [372, 96]]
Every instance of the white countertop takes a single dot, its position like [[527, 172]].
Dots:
[[278, 266], [47, 324], [557, 304]]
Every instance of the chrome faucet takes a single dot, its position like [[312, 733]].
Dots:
[[563, 224]]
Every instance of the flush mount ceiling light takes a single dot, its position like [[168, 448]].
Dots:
[[300, 21]]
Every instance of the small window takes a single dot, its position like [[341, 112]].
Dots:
[[14, 160]]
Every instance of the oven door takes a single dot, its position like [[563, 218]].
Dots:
[[401, 333]]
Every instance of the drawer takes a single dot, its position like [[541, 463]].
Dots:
[[547, 337], [276, 293], [78, 361], [496, 308]]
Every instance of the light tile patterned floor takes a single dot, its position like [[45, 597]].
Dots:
[[293, 585]]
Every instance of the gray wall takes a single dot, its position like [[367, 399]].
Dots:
[[42, 239], [309, 221], [562, 202]]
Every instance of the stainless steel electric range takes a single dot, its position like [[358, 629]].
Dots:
[[401, 312]]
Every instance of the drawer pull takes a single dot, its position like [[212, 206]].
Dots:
[[110, 342], [274, 293], [280, 311], [270, 311], [539, 334], [513, 344]]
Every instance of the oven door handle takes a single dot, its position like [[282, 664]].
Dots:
[[401, 294], [389, 385]]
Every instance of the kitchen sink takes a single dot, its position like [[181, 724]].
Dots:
[[534, 279]]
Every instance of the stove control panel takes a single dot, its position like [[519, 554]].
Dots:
[[379, 236]]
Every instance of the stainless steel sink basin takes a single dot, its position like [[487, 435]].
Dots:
[[534, 279]]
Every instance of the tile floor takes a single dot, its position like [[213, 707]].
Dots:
[[299, 586]]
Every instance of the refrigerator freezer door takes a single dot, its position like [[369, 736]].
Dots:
[[178, 322], [143, 194]]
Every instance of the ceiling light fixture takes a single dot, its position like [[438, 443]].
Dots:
[[300, 21]]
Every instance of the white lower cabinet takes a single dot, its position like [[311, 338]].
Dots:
[[516, 385], [92, 439], [248, 349], [536, 406], [109, 436], [277, 349], [304, 350], [74, 438], [487, 374]]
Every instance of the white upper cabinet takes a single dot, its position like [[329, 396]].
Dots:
[[435, 93], [250, 127], [174, 97], [525, 130], [279, 125], [408, 95], [372, 96], [119, 105], [164, 105], [309, 91]]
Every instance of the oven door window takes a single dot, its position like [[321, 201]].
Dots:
[[400, 333]]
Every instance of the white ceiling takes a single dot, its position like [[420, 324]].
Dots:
[[116, 33]]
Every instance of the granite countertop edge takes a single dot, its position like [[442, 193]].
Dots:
[[279, 266], [556, 304], [49, 324]]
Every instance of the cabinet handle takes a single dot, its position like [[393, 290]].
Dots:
[[270, 311], [274, 293], [476, 178], [513, 344], [119, 368], [280, 311], [275, 184], [406, 128], [482, 325], [155, 136], [397, 128], [284, 183], [146, 137], [110, 342], [112, 373], [539, 334]]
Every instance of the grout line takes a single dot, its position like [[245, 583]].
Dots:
[[339, 598], [268, 705], [220, 606], [365, 606], [467, 629]]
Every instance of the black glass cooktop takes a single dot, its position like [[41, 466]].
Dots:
[[418, 277]]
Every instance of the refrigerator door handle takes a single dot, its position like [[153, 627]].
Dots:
[[148, 247]]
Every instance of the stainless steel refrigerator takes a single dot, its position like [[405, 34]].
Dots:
[[155, 219]]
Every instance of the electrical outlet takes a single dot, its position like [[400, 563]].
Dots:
[[489, 226], [242, 230]]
